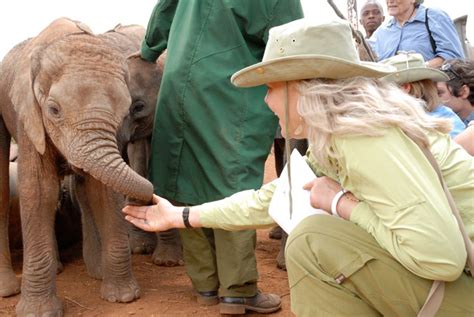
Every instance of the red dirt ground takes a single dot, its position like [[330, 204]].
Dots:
[[164, 291]]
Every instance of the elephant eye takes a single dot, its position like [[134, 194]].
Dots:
[[137, 107], [54, 110]]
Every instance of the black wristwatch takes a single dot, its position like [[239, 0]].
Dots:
[[186, 217]]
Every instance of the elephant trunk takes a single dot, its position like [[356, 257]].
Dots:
[[97, 154]]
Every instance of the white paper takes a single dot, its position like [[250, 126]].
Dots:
[[279, 208]]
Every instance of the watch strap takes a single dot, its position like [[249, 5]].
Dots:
[[186, 217]]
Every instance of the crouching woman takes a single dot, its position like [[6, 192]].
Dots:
[[389, 231]]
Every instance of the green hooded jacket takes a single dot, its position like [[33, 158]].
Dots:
[[211, 139]]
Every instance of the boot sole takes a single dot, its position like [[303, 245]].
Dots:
[[206, 301], [239, 309]]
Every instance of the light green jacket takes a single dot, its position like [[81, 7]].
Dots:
[[402, 203]]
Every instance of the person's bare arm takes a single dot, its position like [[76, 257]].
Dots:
[[435, 62], [466, 139], [162, 59]]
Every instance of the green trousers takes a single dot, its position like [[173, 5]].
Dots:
[[221, 260], [336, 268]]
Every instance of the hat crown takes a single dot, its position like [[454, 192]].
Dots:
[[404, 61], [411, 67], [304, 38], [304, 49]]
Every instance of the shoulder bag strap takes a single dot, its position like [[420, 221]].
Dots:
[[432, 41], [467, 241], [435, 296]]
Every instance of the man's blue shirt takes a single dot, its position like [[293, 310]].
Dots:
[[445, 112], [390, 37], [469, 118]]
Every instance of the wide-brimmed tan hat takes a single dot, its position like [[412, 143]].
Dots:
[[303, 49], [411, 67]]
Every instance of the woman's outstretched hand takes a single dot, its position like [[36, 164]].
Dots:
[[160, 216]]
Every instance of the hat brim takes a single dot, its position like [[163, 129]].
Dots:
[[306, 67], [416, 74]]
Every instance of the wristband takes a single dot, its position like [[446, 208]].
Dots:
[[335, 200], [186, 217]]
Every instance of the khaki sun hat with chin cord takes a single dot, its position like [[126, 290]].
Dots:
[[411, 67], [304, 49]]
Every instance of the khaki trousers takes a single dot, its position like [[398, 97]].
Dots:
[[336, 268], [221, 260]]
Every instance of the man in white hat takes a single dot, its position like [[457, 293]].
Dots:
[[386, 230]]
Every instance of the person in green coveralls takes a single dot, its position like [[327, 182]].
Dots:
[[385, 230], [210, 138]]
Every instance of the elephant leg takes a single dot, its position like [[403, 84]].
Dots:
[[281, 264], [59, 264], [9, 284], [118, 282], [141, 242], [39, 193], [168, 250], [91, 242]]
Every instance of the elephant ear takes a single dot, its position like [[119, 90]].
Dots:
[[116, 28], [26, 104], [83, 27]]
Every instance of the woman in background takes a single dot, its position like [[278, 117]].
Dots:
[[413, 27]]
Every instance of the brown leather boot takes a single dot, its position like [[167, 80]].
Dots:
[[206, 298], [260, 303]]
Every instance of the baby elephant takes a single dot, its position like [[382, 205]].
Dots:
[[63, 95]]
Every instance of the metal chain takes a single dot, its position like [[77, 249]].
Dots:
[[352, 15]]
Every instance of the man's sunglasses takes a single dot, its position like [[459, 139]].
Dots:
[[452, 74]]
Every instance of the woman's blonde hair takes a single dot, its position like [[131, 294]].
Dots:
[[359, 107], [426, 90]]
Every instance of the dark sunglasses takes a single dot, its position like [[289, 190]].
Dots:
[[452, 74]]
